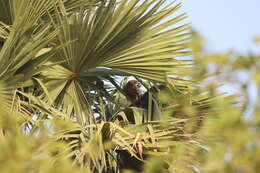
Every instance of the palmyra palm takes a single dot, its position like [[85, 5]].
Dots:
[[62, 67]]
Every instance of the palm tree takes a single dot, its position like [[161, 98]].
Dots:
[[63, 65]]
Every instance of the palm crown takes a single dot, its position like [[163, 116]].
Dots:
[[62, 62]]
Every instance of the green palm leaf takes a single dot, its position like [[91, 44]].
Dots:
[[128, 38]]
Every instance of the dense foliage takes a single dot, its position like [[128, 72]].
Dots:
[[63, 67]]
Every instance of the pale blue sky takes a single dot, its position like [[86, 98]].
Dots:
[[227, 24]]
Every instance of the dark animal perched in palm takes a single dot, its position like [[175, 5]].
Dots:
[[132, 90], [134, 94]]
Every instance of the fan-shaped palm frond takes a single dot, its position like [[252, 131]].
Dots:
[[19, 55], [114, 38], [10, 9]]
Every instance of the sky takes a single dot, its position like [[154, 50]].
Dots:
[[226, 24]]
